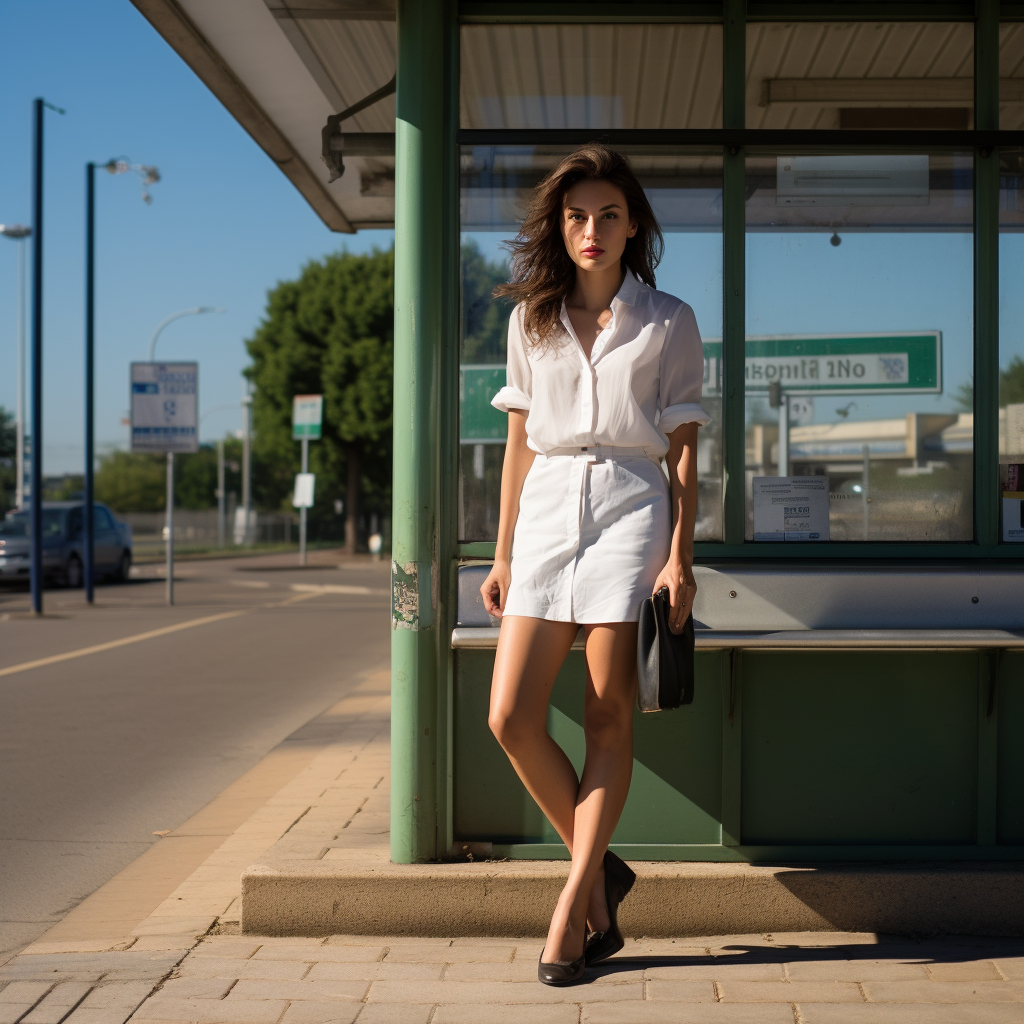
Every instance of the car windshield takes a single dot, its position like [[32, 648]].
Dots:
[[16, 524]]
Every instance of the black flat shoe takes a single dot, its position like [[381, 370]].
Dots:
[[618, 880], [561, 972]]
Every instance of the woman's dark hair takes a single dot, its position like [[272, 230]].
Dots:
[[542, 270]]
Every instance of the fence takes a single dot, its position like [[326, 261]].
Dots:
[[198, 528]]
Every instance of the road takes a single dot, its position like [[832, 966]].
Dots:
[[100, 750]]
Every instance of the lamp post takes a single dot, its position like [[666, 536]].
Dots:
[[150, 176], [36, 486], [19, 232], [195, 311]]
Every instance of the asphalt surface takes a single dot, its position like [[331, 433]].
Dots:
[[101, 749]]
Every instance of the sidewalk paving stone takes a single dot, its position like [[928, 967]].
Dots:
[[320, 954], [12, 1012], [270, 970], [686, 1013], [24, 991], [979, 970], [543, 1013], [788, 991], [404, 1013], [321, 1013], [320, 991], [413, 954], [375, 972], [944, 992], [212, 1011], [196, 988], [57, 1004], [856, 970], [909, 1013]]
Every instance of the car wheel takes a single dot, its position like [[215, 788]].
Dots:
[[73, 573], [124, 567]]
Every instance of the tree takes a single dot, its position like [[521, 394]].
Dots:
[[484, 318], [8, 460], [331, 332]]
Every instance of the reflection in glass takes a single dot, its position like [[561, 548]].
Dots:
[[860, 338], [1011, 76], [861, 75], [1011, 343], [685, 189], [591, 76]]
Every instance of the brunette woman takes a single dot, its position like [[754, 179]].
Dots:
[[604, 382]]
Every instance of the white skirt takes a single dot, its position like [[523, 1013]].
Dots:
[[592, 535]]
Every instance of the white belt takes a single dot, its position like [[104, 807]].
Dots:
[[599, 452]]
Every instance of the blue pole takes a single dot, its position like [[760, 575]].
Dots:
[[36, 471], [88, 550]]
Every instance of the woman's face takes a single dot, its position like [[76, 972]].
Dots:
[[596, 224]]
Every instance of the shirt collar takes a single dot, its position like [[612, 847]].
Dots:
[[629, 290]]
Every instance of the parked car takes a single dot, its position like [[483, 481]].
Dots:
[[63, 542]]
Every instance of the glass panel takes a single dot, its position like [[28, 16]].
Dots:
[[1011, 76], [591, 76], [685, 189], [860, 346], [865, 75], [1011, 343]]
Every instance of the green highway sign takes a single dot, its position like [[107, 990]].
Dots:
[[307, 416], [805, 365], [479, 421], [841, 364]]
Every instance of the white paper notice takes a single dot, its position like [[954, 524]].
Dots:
[[790, 508]]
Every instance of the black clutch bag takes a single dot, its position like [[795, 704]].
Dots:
[[664, 660]]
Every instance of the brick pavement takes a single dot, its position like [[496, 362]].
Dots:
[[187, 963]]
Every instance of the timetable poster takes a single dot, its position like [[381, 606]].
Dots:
[[790, 508]]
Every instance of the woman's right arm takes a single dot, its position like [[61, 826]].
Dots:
[[518, 459]]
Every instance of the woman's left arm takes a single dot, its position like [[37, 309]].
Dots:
[[678, 572]]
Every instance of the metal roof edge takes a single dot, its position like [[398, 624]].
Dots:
[[181, 34]]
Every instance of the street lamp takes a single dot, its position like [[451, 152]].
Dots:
[[150, 176], [196, 311], [19, 232]]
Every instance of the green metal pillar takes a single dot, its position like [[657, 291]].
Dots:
[[986, 277], [424, 157]]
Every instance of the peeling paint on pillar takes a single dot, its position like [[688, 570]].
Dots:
[[405, 596]]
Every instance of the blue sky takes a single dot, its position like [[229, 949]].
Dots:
[[224, 226]]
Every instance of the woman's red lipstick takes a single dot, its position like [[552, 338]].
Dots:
[[593, 251]]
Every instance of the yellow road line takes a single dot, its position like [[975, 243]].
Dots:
[[111, 644]]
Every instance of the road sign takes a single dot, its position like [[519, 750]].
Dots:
[[838, 364], [307, 416], [302, 496], [164, 404]]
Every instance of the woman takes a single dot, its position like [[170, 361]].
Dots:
[[604, 381]]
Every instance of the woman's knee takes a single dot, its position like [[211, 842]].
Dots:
[[607, 720], [511, 727]]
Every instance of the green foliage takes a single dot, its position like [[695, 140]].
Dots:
[[1011, 382], [484, 318], [331, 332], [8, 460], [1011, 387], [137, 481]]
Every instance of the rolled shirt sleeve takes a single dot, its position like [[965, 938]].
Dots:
[[518, 389], [682, 373]]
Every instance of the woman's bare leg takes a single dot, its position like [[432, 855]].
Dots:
[[608, 724], [530, 653]]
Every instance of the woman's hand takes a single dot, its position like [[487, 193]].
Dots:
[[682, 589], [495, 588]]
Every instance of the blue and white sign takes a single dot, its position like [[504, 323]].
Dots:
[[165, 407]]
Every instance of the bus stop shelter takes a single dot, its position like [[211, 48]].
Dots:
[[841, 189]]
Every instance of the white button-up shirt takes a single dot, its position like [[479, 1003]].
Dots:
[[642, 380]]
